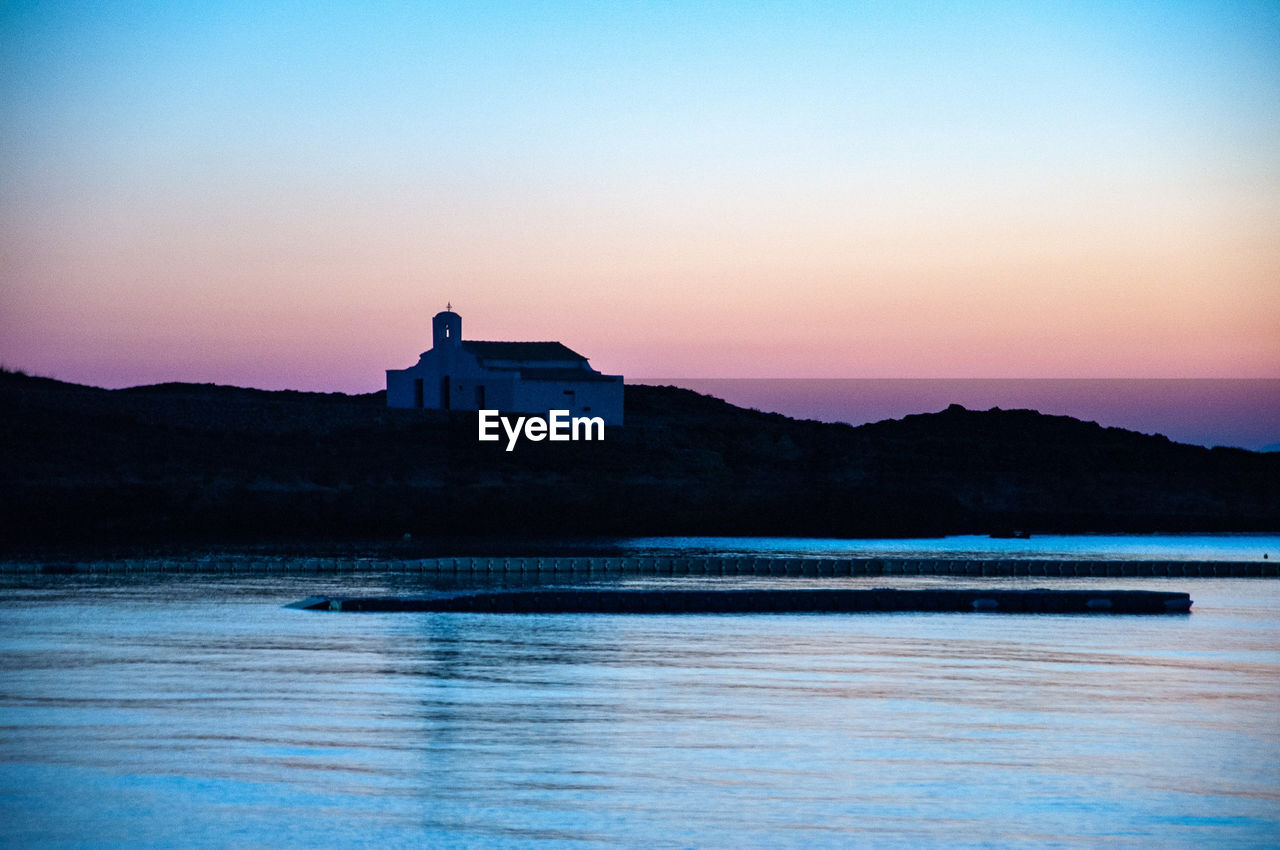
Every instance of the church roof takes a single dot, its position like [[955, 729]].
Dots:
[[519, 350]]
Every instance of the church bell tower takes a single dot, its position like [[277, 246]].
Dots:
[[446, 329]]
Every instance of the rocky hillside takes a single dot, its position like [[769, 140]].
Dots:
[[203, 463]]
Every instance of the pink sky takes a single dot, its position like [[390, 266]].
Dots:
[[285, 203]]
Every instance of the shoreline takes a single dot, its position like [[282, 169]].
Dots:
[[585, 566]]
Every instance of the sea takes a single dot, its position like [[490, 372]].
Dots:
[[195, 710], [1238, 412]]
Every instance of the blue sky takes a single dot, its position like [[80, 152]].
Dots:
[[276, 193]]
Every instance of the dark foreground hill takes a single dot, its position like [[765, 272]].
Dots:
[[203, 463]]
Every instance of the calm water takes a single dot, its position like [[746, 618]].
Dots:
[[1151, 547], [195, 711], [1209, 412]]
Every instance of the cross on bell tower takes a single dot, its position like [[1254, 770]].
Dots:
[[446, 328]]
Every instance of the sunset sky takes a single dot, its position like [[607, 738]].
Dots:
[[282, 194]]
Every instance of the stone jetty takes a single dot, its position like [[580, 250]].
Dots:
[[766, 600]]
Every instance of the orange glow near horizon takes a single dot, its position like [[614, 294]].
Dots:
[[824, 194]]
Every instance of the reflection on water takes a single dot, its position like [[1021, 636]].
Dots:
[[195, 711], [1109, 547]]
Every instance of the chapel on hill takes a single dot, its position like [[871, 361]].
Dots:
[[517, 377]]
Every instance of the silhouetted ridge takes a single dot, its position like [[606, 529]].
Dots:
[[203, 462]]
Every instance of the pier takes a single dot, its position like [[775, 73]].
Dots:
[[767, 601]]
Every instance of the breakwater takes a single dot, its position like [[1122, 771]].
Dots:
[[766, 601], [240, 563]]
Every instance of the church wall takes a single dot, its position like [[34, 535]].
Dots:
[[541, 364], [431, 368], [399, 388], [589, 398]]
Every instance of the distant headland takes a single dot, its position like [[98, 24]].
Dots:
[[189, 463]]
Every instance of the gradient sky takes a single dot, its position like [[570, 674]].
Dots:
[[281, 195]]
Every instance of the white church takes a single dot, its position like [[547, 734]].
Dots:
[[516, 377]]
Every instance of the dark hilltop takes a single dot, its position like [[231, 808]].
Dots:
[[204, 464]]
